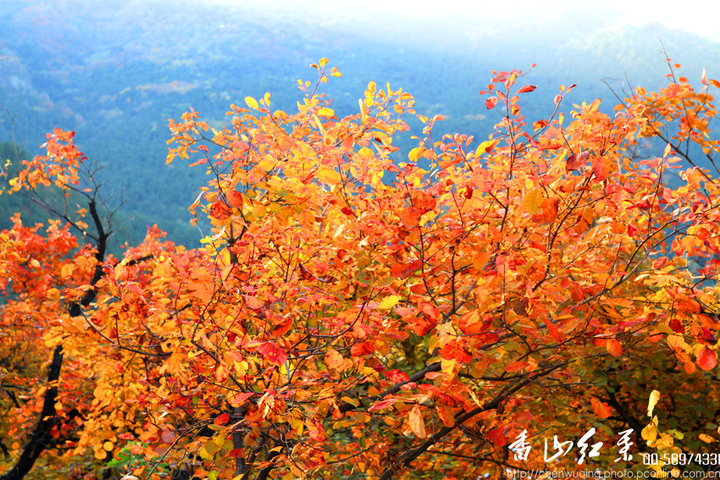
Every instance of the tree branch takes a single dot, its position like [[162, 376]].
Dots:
[[406, 458], [41, 438]]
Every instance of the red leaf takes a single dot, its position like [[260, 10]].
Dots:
[[677, 326], [397, 376], [706, 358], [381, 405], [491, 102], [273, 353], [707, 337], [527, 88], [221, 419], [362, 348], [220, 210], [135, 289], [497, 436], [575, 162]]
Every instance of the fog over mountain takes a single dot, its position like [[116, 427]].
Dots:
[[115, 73]]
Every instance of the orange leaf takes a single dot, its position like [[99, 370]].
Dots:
[[613, 347], [417, 424], [238, 399], [601, 409], [602, 167], [554, 332], [706, 358], [410, 217], [252, 303], [446, 414], [422, 201], [234, 198], [549, 210], [527, 88], [334, 360]]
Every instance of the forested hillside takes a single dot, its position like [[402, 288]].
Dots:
[[116, 74]]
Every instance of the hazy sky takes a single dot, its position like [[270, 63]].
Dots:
[[698, 16]]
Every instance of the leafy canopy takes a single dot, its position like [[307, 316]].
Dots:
[[351, 316]]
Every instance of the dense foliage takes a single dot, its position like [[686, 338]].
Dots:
[[353, 317]]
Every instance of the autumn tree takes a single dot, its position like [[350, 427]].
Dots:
[[355, 316]]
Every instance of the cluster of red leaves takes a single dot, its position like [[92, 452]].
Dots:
[[343, 322]]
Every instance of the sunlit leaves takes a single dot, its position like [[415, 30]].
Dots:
[[344, 306]]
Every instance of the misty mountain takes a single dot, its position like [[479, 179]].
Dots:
[[116, 73]]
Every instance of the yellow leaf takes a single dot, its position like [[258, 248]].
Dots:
[[297, 425], [533, 201], [328, 175], [677, 342], [389, 302], [325, 112], [649, 433], [323, 61], [251, 102], [654, 397], [706, 438], [67, 271], [415, 153], [485, 146], [417, 424], [448, 366]]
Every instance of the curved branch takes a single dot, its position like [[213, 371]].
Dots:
[[406, 458], [41, 436], [40, 439]]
